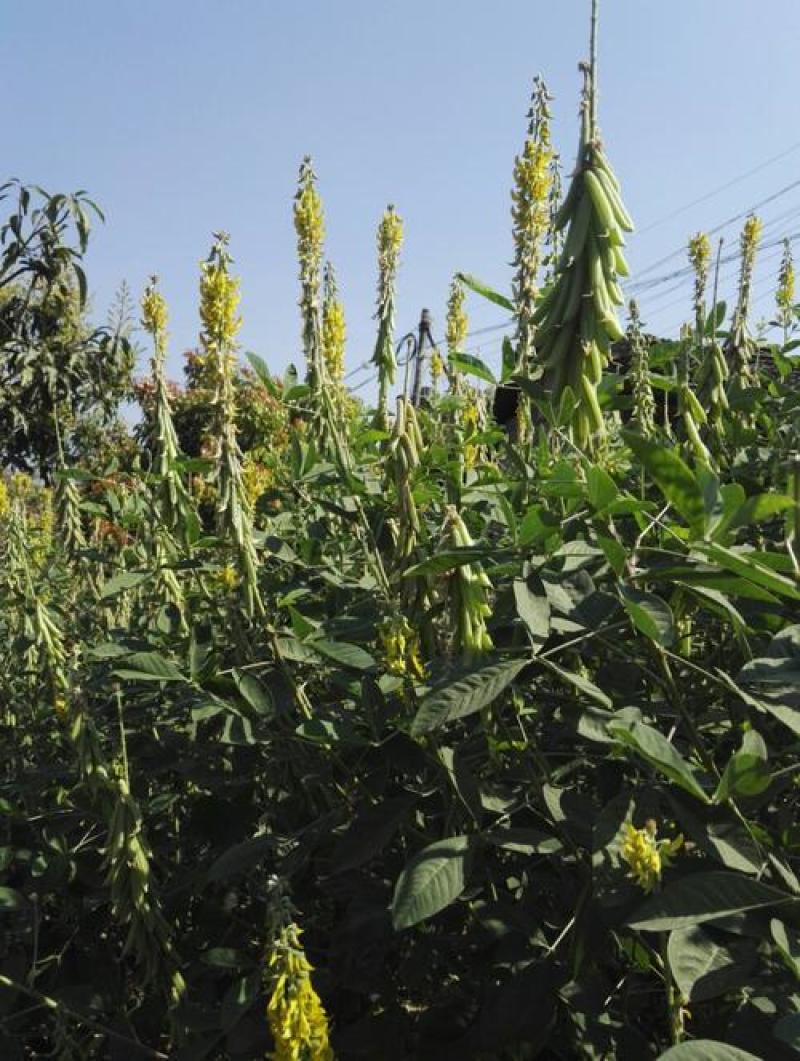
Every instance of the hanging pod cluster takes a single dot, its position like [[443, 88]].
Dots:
[[576, 320], [403, 456]]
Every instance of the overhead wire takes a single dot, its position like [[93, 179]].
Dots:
[[721, 188]]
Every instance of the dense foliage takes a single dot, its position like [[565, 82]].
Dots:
[[393, 733]]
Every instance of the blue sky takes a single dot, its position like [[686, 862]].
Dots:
[[186, 116]]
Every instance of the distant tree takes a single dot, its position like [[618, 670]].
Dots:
[[58, 373]]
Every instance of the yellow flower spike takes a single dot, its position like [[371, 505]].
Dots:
[[390, 237], [297, 1019], [646, 855], [155, 314], [530, 215], [785, 295], [457, 320], [219, 299], [751, 234], [309, 219], [21, 485], [5, 503], [334, 332], [437, 366], [700, 252], [401, 647]]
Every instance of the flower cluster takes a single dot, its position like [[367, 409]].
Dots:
[[309, 221], [785, 295], [297, 1019], [700, 253], [530, 213], [154, 314], [457, 320], [646, 855], [333, 327], [219, 298], [257, 478], [437, 367], [390, 239], [699, 258], [401, 648]]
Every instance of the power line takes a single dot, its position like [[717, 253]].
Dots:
[[721, 226], [722, 187]]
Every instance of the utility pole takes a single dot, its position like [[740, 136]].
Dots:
[[423, 333]]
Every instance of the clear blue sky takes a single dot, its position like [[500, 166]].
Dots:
[[186, 116]]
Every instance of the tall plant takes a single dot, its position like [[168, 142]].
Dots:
[[740, 348], [577, 318], [389, 240], [219, 305]]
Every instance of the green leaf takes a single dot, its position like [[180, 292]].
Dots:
[[472, 366], [601, 488], [759, 508], [672, 476], [788, 943], [259, 366], [465, 695], [124, 580], [747, 772], [650, 614], [707, 1050], [534, 610], [705, 969], [582, 684], [749, 568], [372, 829], [241, 857], [433, 879], [254, 693], [706, 896], [476, 285], [149, 667], [654, 747], [448, 560], [11, 900], [348, 655], [524, 841], [787, 1029]]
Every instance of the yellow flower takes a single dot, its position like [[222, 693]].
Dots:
[[219, 299], [309, 220], [333, 338], [5, 504], [700, 252], [785, 294], [154, 313], [437, 366], [457, 320], [751, 234], [401, 648], [21, 485], [297, 1019], [228, 577], [645, 855], [256, 479], [390, 238]]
